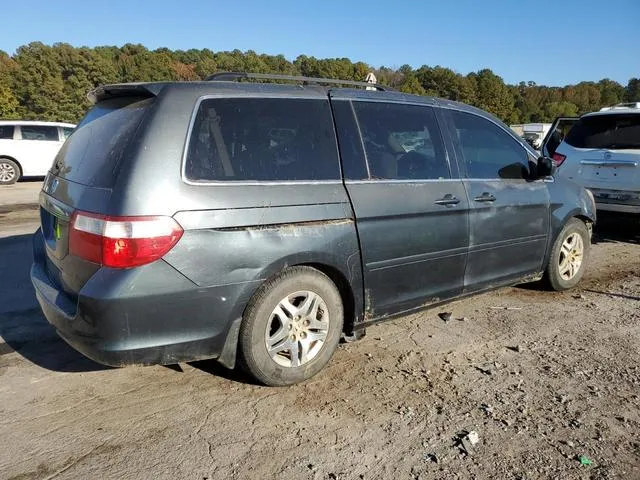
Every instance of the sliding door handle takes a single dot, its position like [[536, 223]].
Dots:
[[448, 199], [485, 197]]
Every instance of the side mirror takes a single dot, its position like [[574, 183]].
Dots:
[[545, 168]]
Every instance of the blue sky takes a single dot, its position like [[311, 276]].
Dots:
[[550, 42]]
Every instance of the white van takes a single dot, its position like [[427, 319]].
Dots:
[[27, 149]]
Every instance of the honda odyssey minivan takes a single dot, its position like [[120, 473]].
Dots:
[[258, 223]]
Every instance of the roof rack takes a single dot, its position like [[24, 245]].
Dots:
[[622, 105], [228, 76]]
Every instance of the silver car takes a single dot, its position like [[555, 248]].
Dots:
[[601, 151]]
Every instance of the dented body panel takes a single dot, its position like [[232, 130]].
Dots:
[[413, 250], [508, 236]]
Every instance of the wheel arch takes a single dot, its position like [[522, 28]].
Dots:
[[14, 160], [346, 277], [559, 222], [347, 287], [551, 274]]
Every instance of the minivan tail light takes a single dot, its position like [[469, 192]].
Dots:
[[122, 242], [558, 158]]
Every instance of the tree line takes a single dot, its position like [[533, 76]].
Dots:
[[50, 82]]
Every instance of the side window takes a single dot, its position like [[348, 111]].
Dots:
[[39, 132], [401, 141], [6, 132], [488, 151], [269, 139], [66, 132]]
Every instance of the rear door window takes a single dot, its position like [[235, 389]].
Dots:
[[66, 132], [262, 139], [39, 132], [488, 151], [402, 142], [6, 132], [612, 131], [93, 155]]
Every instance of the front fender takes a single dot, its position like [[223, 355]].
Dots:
[[567, 200]]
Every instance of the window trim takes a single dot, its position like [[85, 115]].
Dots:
[[360, 137], [401, 180], [462, 162], [434, 110], [205, 183]]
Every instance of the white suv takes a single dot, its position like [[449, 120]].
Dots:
[[27, 149], [601, 151]]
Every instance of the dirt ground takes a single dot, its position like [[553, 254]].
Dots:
[[542, 378], [21, 193]]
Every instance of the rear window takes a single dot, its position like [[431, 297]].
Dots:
[[93, 155], [262, 139], [606, 131]]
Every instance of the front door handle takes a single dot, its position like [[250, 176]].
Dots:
[[485, 197], [448, 199]]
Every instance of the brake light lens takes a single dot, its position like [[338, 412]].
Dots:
[[558, 158], [122, 242]]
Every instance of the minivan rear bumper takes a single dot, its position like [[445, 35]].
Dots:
[[140, 316]]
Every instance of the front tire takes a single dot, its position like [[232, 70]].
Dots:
[[291, 327], [9, 171], [569, 256]]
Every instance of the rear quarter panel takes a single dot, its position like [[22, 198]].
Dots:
[[245, 247], [236, 233]]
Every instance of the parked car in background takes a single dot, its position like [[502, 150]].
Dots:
[[27, 149], [260, 222], [601, 151]]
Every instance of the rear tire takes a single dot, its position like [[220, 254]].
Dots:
[[9, 171], [569, 256], [291, 327]]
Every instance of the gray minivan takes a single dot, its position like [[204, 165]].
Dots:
[[259, 223]]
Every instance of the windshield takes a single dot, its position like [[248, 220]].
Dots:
[[93, 153], [612, 132]]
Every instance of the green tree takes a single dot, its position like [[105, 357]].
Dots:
[[492, 94], [445, 83], [411, 84], [206, 65], [50, 82], [38, 83], [611, 92], [585, 95], [388, 76], [560, 109], [632, 91], [9, 103]]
